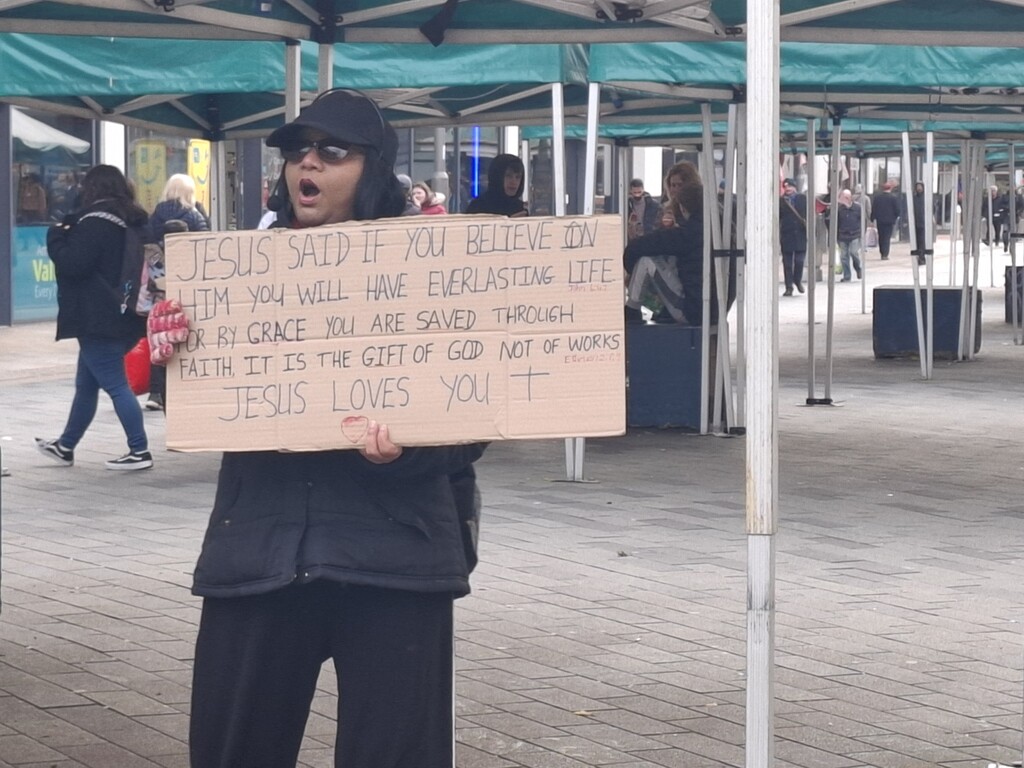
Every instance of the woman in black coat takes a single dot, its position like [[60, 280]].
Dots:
[[350, 555], [86, 250]]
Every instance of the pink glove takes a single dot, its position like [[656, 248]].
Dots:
[[166, 326]]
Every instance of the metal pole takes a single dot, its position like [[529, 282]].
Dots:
[[575, 447], [1012, 280], [324, 67], [955, 216], [915, 250], [763, 393], [740, 266], [929, 248], [292, 80], [837, 135], [812, 247]]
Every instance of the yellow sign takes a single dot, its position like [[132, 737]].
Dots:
[[150, 165], [199, 169]]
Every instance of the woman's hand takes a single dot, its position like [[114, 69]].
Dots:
[[166, 326], [377, 447]]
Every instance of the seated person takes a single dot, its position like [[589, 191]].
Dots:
[[670, 262]]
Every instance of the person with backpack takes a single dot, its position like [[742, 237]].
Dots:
[[88, 253]]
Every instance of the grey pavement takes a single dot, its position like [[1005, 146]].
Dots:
[[607, 622]]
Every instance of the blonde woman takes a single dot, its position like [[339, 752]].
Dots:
[[178, 201], [177, 204]]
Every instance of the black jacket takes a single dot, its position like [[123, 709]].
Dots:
[[793, 223], [849, 223], [652, 212], [885, 208], [494, 199], [284, 518], [167, 210], [87, 255]]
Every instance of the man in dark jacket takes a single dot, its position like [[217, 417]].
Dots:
[[353, 555], [885, 210], [848, 234], [793, 235], [643, 212], [506, 178]]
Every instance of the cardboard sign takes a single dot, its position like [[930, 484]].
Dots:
[[448, 329]]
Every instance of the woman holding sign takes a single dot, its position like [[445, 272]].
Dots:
[[352, 555]]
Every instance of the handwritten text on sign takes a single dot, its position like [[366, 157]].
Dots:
[[447, 328]]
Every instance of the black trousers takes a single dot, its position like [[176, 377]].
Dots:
[[884, 238], [258, 659], [793, 268]]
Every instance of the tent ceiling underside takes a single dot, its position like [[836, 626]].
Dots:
[[995, 23]]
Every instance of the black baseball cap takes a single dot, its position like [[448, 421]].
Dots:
[[347, 116]]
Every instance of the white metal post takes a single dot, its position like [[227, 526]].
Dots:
[[916, 248], [292, 80], [324, 67], [929, 248], [763, 391], [812, 251]]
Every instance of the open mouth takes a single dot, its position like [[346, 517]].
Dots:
[[307, 189]]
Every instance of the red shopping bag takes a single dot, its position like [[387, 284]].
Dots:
[[136, 365]]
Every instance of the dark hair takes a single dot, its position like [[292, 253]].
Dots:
[[636, 183], [379, 194], [104, 186]]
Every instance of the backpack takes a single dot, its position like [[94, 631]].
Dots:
[[142, 264]]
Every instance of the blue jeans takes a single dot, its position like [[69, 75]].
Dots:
[[847, 251], [101, 366]]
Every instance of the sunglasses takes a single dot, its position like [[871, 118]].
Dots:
[[327, 151]]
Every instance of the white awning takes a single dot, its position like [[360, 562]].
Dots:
[[36, 134]]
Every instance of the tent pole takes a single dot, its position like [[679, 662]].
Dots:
[[762, 331], [325, 67], [955, 215], [971, 303], [590, 172], [1015, 308], [740, 266], [712, 240], [833, 239], [929, 249], [863, 202], [916, 248], [723, 268], [812, 249], [575, 447], [292, 80]]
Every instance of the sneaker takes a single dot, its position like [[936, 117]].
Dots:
[[155, 403], [800, 287], [52, 449], [132, 461]]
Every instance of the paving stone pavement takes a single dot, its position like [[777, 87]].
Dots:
[[607, 622]]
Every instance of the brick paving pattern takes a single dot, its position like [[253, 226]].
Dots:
[[607, 623]]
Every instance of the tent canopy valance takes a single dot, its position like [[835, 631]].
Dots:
[[220, 89]]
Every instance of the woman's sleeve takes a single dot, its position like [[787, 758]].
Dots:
[[76, 252]]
